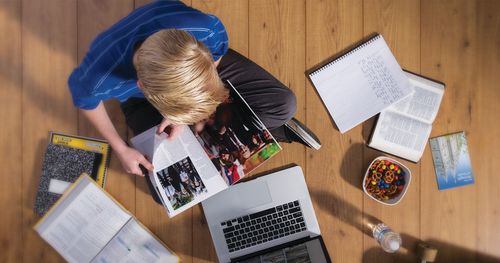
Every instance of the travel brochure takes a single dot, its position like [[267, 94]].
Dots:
[[451, 160]]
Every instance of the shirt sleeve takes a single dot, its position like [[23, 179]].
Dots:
[[95, 79]]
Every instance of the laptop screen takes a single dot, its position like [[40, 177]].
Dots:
[[308, 250]]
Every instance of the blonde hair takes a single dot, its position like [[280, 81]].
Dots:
[[179, 77]]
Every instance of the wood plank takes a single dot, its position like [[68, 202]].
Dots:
[[95, 16], [234, 16], [177, 232], [334, 172], [276, 43], [10, 141], [49, 55], [399, 24], [449, 49], [139, 3], [487, 128]]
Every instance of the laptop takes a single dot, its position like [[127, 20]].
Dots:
[[267, 219]]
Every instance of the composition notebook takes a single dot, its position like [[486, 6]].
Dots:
[[360, 83], [66, 157], [61, 166], [86, 144]]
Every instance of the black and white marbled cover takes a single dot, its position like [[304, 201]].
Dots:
[[65, 164]]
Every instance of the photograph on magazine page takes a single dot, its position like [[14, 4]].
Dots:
[[235, 140], [181, 183]]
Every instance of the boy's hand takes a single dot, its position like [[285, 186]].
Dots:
[[171, 129], [130, 159]]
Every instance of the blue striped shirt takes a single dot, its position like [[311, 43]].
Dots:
[[107, 71]]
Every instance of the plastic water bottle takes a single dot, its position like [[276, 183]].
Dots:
[[389, 240]]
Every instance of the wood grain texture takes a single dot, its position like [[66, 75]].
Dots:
[[276, 43], [234, 16], [399, 24], [333, 173], [449, 50], [49, 55], [486, 112], [457, 42], [10, 141]]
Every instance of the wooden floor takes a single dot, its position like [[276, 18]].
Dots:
[[457, 42]]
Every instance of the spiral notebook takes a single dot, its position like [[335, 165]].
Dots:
[[360, 83]]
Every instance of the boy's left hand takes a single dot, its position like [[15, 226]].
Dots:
[[171, 129]]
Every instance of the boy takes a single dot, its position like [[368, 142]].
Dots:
[[164, 62]]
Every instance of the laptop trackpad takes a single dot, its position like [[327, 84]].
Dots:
[[254, 194]]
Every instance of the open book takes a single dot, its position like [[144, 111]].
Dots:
[[206, 158], [360, 83], [403, 129], [87, 225]]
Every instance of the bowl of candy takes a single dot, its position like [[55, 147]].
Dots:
[[386, 180]]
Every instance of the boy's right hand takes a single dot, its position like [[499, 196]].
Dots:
[[130, 159]]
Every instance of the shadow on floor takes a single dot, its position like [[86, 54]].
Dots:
[[351, 215], [447, 252], [351, 159]]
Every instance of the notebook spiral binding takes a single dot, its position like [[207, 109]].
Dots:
[[369, 41]]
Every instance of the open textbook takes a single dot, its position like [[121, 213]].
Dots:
[[207, 157], [88, 225], [403, 128]]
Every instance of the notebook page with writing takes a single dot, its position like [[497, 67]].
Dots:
[[361, 83]]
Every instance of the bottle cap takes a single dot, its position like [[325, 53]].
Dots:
[[394, 244]]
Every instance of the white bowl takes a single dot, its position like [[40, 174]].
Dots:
[[407, 176]]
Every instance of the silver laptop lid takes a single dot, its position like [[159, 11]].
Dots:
[[260, 194]]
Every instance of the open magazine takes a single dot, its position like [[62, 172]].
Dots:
[[208, 157]]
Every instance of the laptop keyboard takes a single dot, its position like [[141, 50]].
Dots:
[[276, 222]]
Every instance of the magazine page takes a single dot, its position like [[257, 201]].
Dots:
[[135, 244], [81, 224], [183, 174], [234, 139]]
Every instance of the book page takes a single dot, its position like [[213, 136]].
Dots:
[[83, 223], [146, 142], [361, 84], [183, 174], [400, 135], [134, 244], [423, 103]]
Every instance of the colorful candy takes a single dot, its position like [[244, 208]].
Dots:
[[385, 180]]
